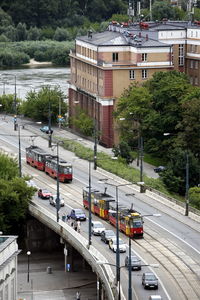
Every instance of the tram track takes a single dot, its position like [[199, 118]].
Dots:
[[182, 268]]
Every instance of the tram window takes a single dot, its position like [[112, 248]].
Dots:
[[66, 170], [137, 223]]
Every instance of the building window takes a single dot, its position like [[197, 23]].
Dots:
[[115, 56], [181, 55], [191, 80], [196, 80], [191, 64], [144, 56], [144, 74], [196, 64], [132, 74]]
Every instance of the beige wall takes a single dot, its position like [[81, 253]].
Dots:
[[121, 79]]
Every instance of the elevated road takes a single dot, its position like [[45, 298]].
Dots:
[[172, 240]]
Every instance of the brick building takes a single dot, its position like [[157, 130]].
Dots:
[[104, 64]]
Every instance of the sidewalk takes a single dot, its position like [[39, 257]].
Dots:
[[58, 285]]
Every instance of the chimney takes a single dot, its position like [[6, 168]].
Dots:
[[90, 34], [147, 37]]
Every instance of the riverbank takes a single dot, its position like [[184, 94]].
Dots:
[[34, 62]]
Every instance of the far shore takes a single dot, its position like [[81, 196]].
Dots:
[[33, 62]]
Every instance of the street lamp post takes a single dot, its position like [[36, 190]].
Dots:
[[58, 186], [50, 134], [28, 256], [15, 107], [117, 231], [90, 213], [120, 267], [129, 272], [187, 186]]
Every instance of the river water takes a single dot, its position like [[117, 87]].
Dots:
[[33, 78]]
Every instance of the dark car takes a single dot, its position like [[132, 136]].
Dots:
[[149, 280], [107, 235], [159, 169], [44, 194], [46, 129], [135, 262], [78, 214]]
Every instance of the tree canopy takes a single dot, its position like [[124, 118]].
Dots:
[[14, 196], [165, 111], [38, 104]]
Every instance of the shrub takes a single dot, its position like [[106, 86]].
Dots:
[[11, 58]]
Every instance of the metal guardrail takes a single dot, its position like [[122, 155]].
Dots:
[[92, 255], [178, 202]]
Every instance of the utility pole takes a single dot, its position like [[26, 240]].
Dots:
[[50, 134], [15, 107], [187, 186]]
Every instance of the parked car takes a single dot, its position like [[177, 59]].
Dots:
[[149, 280], [113, 245], [97, 228], [107, 235], [46, 129], [52, 200], [159, 169], [78, 214], [44, 194], [135, 262]]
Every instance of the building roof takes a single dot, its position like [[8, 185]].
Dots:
[[127, 38], [5, 241]]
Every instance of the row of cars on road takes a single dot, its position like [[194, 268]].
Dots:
[[149, 280], [108, 236]]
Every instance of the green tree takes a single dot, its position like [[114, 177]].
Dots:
[[37, 104], [7, 102], [14, 196], [123, 150], [133, 107], [161, 10], [189, 125], [21, 32], [174, 177], [82, 122], [167, 90], [34, 34], [194, 197], [61, 34], [5, 19]]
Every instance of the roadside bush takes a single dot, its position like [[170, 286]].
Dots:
[[7, 104], [194, 196]]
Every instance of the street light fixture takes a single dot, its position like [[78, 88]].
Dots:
[[117, 228], [28, 256]]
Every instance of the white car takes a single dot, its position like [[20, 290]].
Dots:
[[113, 245], [97, 228], [52, 200]]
